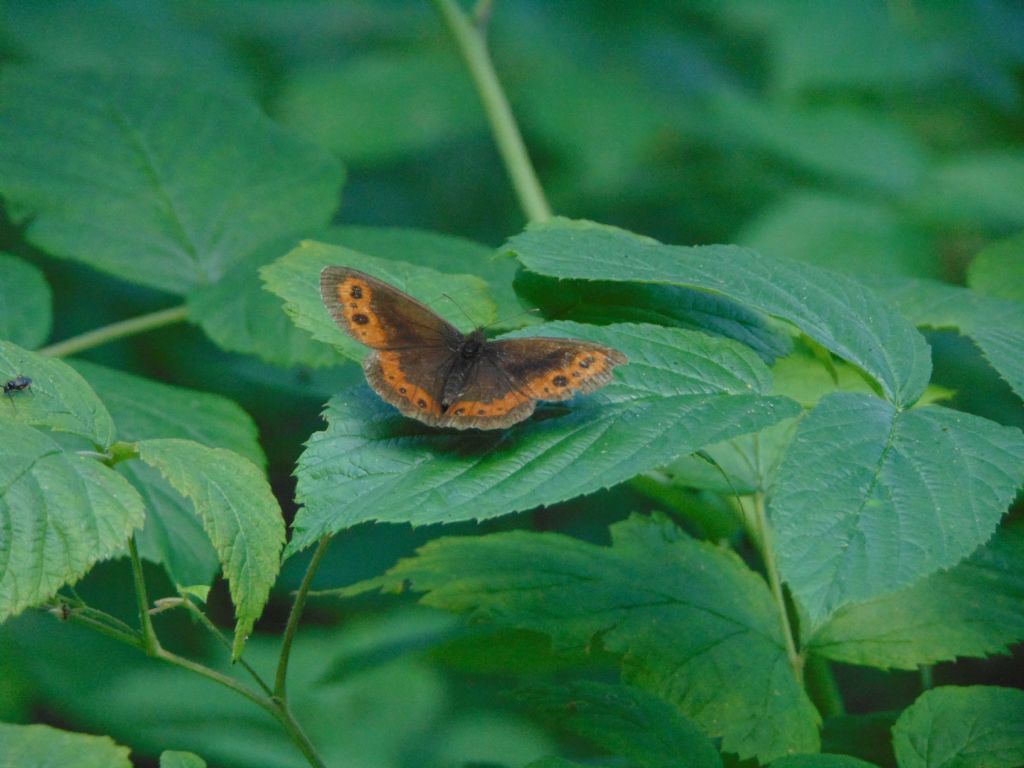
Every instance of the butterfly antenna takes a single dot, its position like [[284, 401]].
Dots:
[[461, 308]]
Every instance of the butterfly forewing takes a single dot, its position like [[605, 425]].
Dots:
[[381, 316]]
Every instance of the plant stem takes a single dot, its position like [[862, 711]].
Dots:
[[281, 679], [275, 708], [796, 661], [472, 43], [205, 621], [150, 644], [107, 333], [822, 687]]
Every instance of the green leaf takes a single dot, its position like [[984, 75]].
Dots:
[[856, 146], [821, 761], [844, 234], [681, 390], [143, 408], [835, 311], [677, 610], [980, 188], [382, 105], [626, 722], [156, 180], [239, 513], [58, 398], [240, 315], [295, 277], [555, 762], [40, 746], [869, 499], [60, 514], [26, 313], [998, 271], [974, 609], [110, 36], [171, 759], [972, 727], [995, 325]]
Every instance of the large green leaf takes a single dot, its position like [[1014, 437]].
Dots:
[[679, 611], [973, 609], [835, 311], [973, 727], [155, 180], [821, 761], [869, 498], [60, 514], [680, 391], [295, 277], [25, 303], [174, 759], [40, 746], [239, 513], [998, 270], [996, 325], [58, 397], [626, 721], [143, 409], [380, 106]]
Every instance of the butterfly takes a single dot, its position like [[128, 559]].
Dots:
[[429, 370]]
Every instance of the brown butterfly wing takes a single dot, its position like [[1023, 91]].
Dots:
[[381, 316], [413, 346], [515, 373]]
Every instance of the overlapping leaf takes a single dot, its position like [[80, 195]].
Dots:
[[972, 727], [996, 325], [837, 312], [239, 513], [155, 180], [144, 409], [58, 397], [25, 311], [60, 514], [625, 721], [680, 391], [869, 499], [678, 611], [973, 609], [32, 746]]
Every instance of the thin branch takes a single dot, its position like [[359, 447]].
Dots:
[[150, 644], [108, 333], [193, 609], [281, 679], [469, 37]]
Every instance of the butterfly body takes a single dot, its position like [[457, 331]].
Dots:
[[431, 371]]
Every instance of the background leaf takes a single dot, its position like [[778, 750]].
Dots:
[[836, 312], [677, 610], [239, 513], [181, 760], [625, 721], [25, 303], [974, 727], [996, 325], [681, 390], [60, 514], [141, 202], [31, 746], [860, 475], [973, 609], [998, 270], [58, 398]]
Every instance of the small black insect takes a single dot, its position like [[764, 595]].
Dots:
[[17, 384]]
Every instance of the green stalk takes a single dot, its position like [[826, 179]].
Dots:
[[471, 41], [281, 679], [108, 333], [150, 644]]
